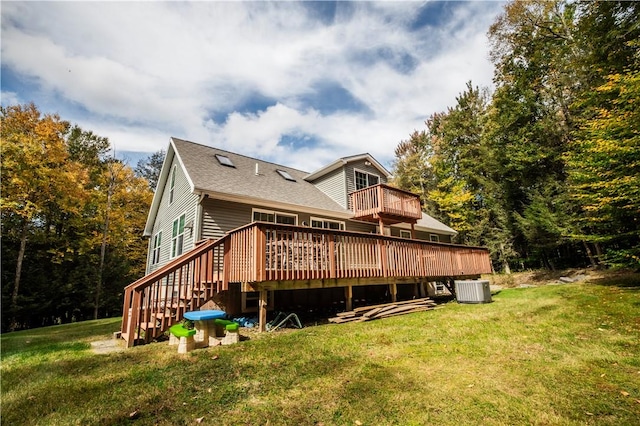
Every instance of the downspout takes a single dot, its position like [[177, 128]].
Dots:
[[197, 231]]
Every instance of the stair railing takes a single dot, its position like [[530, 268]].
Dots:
[[158, 300]]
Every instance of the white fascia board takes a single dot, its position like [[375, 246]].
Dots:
[[342, 161], [162, 181], [426, 228]]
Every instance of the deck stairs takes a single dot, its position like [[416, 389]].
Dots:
[[263, 256], [159, 300]]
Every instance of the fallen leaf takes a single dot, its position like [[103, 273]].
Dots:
[[358, 423], [215, 357], [589, 414], [624, 393], [638, 401], [471, 385], [209, 390], [134, 415], [199, 419], [602, 375]]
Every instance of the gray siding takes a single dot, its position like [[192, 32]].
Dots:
[[349, 171], [361, 227], [183, 202], [220, 217], [333, 184]]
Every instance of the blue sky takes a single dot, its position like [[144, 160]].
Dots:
[[297, 83]]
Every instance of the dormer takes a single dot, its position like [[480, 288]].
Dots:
[[348, 174]]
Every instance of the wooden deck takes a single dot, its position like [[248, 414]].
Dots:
[[266, 256]]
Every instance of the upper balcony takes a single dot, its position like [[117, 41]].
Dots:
[[383, 202]]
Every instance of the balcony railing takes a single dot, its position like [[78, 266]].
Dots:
[[383, 201]]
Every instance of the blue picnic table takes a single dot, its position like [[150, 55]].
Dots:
[[204, 324], [210, 314]]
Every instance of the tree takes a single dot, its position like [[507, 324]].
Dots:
[[448, 165], [72, 222], [150, 167], [530, 121], [122, 199], [37, 177], [605, 167]]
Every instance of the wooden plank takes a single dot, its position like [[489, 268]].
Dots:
[[262, 311], [394, 310], [372, 312], [407, 312], [366, 308], [341, 320]]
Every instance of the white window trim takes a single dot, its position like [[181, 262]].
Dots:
[[436, 240], [154, 248], [275, 214], [407, 234], [322, 219], [172, 183], [355, 184], [171, 255]]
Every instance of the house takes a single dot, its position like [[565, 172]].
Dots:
[[243, 235]]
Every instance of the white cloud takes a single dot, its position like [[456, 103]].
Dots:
[[144, 71], [9, 98]]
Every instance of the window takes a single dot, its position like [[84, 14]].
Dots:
[[259, 216], [285, 175], [155, 254], [172, 184], [326, 224], [405, 234], [177, 236], [225, 161], [364, 179], [274, 217], [286, 219], [434, 238]]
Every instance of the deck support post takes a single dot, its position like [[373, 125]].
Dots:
[[262, 311], [413, 231], [393, 289], [348, 295]]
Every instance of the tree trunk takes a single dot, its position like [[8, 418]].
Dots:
[[593, 261], [505, 263], [598, 252], [16, 284], [103, 252]]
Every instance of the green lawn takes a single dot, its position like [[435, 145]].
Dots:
[[552, 355]]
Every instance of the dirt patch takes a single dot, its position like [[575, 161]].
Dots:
[[107, 346], [542, 277]]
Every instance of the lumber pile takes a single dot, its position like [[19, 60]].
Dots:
[[366, 313]]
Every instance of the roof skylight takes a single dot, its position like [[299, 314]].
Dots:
[[224, 160], [285, 175]]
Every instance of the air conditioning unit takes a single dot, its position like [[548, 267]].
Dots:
[[473, 291]]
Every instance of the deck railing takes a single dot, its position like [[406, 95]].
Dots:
[[385, 200], [271, 253], [158, 300]]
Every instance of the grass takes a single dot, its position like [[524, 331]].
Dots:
[[550, 355]]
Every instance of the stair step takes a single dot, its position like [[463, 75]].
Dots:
[[149, 325]]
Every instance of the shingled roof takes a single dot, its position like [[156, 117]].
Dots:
[[208, 175], [267, 187]]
